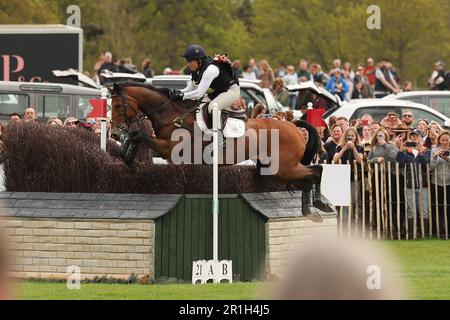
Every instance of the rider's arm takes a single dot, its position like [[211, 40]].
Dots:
[[209, 75], [190, 87]]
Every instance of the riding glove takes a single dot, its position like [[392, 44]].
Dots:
[[176, 94]]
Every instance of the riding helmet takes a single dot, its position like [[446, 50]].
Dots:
[[194, 52]]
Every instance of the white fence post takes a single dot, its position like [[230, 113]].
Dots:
[[214, 270]]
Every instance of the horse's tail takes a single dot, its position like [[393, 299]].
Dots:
[[313, 145]]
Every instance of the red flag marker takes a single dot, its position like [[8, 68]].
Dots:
[[314, 117], [100, 108]]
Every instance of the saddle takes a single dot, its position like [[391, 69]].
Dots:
[[225, 114], [232, 122]]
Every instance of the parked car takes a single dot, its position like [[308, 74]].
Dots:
[[379, 108], [438, 100], [49, 99], [251, 92], [311, 95]]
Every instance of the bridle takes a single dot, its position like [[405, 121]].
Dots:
[[177, 122]]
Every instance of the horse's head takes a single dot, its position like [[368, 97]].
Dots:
[[124, 109]]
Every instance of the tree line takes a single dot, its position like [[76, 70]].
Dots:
[[413, 34]]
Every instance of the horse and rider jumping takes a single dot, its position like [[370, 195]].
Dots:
[[169, 110]]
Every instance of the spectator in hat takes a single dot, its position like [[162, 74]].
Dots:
[[71, 122], [401, 135], [336, 85]]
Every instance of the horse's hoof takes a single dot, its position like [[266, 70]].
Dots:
[[314, 217], [322, 206]]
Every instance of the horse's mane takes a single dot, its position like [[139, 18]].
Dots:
[[118, 86]]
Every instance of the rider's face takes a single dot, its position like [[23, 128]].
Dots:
[[193, 65]]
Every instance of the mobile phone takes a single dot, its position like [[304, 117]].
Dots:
[[410, 144]]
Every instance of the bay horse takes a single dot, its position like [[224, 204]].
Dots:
[[134, 102]]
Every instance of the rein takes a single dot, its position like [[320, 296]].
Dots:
[[177, 122]]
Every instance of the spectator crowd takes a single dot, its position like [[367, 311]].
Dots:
[[416, 145], [367, 80]]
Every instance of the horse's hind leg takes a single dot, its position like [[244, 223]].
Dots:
[[312, 175]]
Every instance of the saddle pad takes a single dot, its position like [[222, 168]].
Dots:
[[234, 128]]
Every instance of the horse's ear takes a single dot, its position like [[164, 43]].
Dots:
[[116, 88]]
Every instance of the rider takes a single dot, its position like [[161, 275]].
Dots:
[[211, 76]]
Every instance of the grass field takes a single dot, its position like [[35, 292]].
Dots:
[[426, 268]]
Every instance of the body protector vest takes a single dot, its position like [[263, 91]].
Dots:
[[220, 84]]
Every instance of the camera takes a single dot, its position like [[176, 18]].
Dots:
[[349, 139], [410, 144], [445, 153]]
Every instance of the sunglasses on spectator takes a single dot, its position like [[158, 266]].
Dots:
[[407, 116]]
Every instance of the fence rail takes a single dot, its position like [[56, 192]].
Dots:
[[395, 203]]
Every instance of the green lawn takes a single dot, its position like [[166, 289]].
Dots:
[[426, 267], [92, 291]]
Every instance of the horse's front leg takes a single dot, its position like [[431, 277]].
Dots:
[[308, 208]]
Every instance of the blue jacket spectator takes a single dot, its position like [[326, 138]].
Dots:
[[336, 85]]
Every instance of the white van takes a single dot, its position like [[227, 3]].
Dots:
[[48, 99]]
